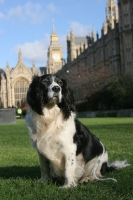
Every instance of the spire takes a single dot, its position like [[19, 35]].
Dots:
[[68, 37], [54, 36], [105, 28], [111, 13], [89, 33], [20, 56], [7, 64], [71, 32], [7, 68], [97, 35], [53, 28], [33, 68], [93, 35], [71, 35]]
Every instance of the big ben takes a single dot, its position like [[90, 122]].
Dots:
[[54, 62]]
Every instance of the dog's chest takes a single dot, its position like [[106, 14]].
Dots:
[[50, 139], [53, 149], [52, 135]]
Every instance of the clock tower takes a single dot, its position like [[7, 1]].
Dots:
[[54, 60]]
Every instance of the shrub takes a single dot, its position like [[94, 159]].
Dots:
[[117, 94]]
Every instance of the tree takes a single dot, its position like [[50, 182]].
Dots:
[[117, 94]]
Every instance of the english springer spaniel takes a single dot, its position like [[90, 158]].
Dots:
[[66, 148]]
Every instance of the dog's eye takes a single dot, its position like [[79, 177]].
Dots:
[[60, 82], [46, 81]]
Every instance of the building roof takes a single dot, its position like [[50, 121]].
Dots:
[[42, 70], [79, 40]]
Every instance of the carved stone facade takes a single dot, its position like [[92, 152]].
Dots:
[[112, 53], [14, 82], [125, 8]]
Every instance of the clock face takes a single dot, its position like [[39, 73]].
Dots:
[[56, 56]]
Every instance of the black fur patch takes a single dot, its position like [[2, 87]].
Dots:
[[106, 169], [87, 143]]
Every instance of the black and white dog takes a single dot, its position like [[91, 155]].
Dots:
[[66, 148]]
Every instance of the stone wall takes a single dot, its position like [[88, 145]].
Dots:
[[107, 113], [8, 116]]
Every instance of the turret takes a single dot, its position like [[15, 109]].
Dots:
[[111, 13], [93, 35], [72, 45], [33, 68], [19, 56]]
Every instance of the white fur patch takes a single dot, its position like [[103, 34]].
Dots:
[[119, 164], [51, 93]]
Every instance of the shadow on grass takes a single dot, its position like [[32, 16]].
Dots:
[[30, 173], [20, 172]]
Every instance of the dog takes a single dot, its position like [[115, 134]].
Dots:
[[66, 148]]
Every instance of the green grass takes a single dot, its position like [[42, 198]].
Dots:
[[20, 172]]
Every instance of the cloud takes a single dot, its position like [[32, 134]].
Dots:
[[35, 13], [37, 50], [30, 11], [51, 7], [17, 11], [34, 51], [79, 29]]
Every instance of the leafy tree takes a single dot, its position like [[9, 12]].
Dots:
[[117, 94]]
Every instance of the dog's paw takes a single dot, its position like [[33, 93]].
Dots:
[[44, 179], [86, 179], [65, 186]]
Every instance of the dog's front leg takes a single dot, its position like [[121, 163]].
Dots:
[[70, 167], [45, 168]]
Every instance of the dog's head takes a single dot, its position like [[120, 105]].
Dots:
[[48, 90]]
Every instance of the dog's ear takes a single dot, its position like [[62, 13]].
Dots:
[[35, 95], [67, 104]]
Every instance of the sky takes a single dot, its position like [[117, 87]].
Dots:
[[27, 25]]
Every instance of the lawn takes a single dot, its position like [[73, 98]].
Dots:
[[20, 172]]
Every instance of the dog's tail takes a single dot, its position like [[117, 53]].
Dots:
[[117, 165], [106, 167]]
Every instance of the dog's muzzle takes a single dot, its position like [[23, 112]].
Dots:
[[54, 93], [56, 89]]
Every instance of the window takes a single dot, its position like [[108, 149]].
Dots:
[[20, 91]]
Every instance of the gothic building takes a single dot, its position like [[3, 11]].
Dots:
[[14, 83], [125, 8], [111, 54]]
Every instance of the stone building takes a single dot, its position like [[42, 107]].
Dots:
[[92, 60], [125, 8], [14, 82]]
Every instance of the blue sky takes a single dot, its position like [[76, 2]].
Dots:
[[27, 25]]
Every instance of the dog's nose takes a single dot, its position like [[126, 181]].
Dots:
[[56, 89]]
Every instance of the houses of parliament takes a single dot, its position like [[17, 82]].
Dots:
[[91, 59]]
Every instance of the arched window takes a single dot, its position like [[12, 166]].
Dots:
[[20, 91]]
